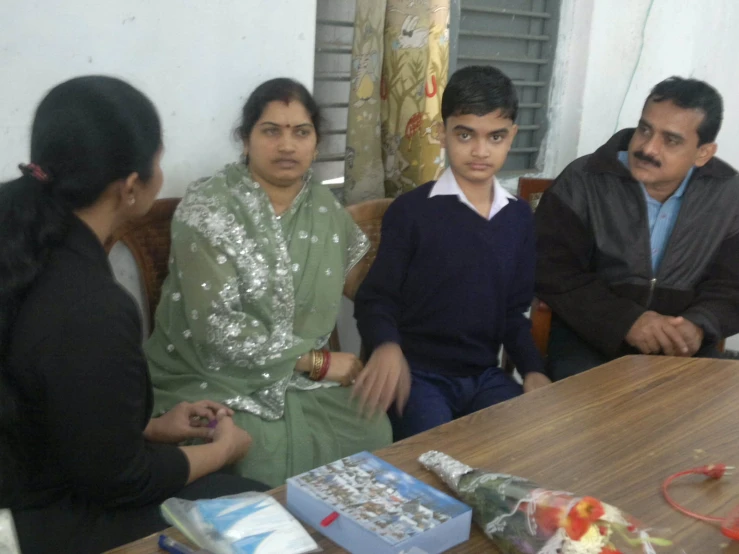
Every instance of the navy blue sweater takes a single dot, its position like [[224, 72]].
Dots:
[[450, 286]]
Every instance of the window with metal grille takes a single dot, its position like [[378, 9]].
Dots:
[[519, 38], [334, 34]]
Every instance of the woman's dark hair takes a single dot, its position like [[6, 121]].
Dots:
[[479, 90], [694, 95], [281, 89], [87, 133]]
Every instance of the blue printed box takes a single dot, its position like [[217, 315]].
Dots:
[[380, 509]]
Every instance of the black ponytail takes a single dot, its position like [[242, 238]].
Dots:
[[87, 133]]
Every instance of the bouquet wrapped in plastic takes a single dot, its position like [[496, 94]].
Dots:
[[520, 517]]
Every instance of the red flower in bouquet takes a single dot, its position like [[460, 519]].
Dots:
[[582, 515], [576, 523]]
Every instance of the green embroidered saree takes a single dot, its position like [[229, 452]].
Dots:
[[248, 293]]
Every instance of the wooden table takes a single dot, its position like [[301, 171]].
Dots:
[[614, 432]]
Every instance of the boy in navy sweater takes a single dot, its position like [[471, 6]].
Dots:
[[454, 275]]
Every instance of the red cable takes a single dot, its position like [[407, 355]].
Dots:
[[713, 471]]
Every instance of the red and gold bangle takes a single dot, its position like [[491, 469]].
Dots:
[[320, 361], [325, 365], [316, 364]]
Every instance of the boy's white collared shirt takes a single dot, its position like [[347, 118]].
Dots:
[[447, 186]]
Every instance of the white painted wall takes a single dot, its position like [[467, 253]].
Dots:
[[653, 40], [612, 52], [196, 59], [566, 95]]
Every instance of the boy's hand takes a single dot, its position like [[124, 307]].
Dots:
[[535, 380], [386, 379]]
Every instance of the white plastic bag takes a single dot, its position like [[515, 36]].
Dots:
[[8, 539], [248, 523]]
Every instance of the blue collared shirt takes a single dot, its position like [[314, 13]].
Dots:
[[662, 215]]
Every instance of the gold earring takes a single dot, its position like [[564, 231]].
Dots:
[[132, 201]]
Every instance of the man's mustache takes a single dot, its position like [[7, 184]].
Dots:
[[640, 155]]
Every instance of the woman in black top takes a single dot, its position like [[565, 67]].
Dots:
[[82, 464]]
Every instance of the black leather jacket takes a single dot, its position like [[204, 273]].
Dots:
[[594, 257]]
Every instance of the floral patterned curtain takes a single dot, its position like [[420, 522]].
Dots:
[[400, 62]]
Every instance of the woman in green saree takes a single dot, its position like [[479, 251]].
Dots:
[[259, 258]]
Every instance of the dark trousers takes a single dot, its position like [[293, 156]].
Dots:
[[569, 355], [68, 527], [436, 399]]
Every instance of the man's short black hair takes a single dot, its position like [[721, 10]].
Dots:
[[696, 95], [479, 90]]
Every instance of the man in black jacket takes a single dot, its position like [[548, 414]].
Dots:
[[638, 243]]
